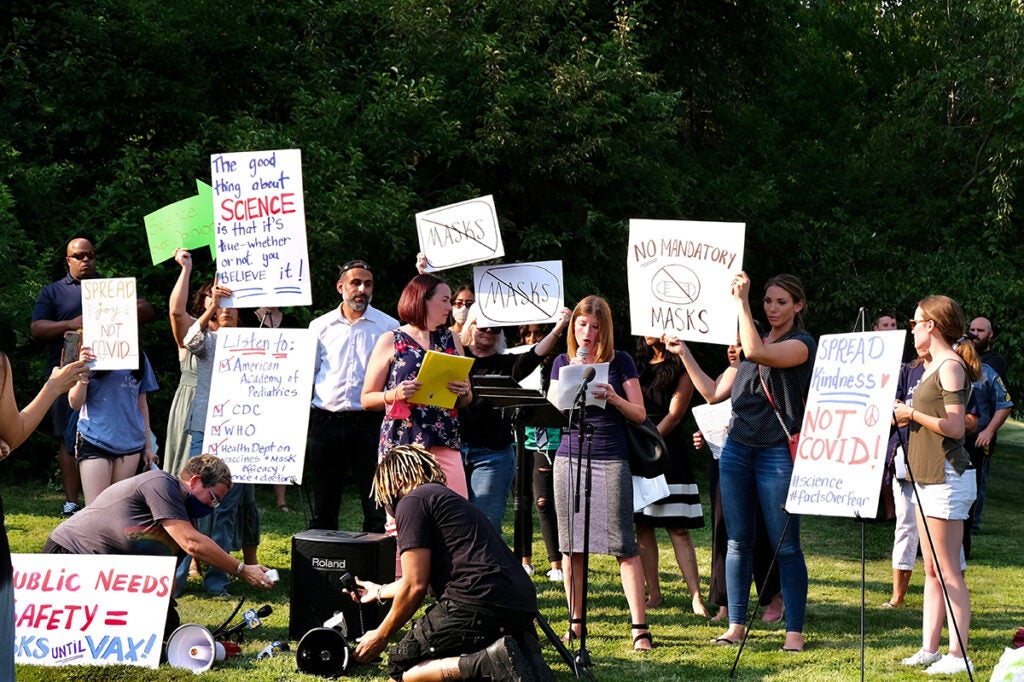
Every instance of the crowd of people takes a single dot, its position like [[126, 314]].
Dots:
[[439, 478]]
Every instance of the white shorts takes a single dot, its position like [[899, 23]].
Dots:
[[951, 500]]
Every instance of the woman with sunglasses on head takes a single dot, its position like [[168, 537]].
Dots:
[[768, 389], [938, 464], [487, 451], [611, 531]]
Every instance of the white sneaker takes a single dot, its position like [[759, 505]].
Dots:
[[922, 657], [949, 665], [555, 575], [529, 569]]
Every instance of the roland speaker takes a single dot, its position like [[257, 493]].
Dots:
[[319, 559], [192, 647]]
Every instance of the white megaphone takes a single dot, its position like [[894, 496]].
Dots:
[[192, 647]]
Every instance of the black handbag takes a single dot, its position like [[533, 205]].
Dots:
[[648, 454]]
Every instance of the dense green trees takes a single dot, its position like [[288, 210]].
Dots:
[[871, 147]]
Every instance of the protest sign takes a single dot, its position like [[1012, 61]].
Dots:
[[90, 609], [459, 234], [841, 456], [679, 274], [261, 228], [186, 224], [519, 293], [258, 411], [110, 322]]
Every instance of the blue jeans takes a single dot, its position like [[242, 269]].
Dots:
[[220, 526], [489, 475], [749, 475]]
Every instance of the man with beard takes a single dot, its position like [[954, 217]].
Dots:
[[988, 409], [58, 309], [343, 438]]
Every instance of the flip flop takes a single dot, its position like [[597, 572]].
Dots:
[[724, 641]]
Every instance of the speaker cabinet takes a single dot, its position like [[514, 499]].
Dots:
[[319, 559]]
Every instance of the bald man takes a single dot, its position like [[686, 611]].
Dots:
[[59, 309]]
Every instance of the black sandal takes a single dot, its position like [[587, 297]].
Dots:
[[571, 636], [643, 635]]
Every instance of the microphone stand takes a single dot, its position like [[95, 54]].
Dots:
[[585, 439]]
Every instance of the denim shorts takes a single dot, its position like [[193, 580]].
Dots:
[[85, 449], [951, 500]]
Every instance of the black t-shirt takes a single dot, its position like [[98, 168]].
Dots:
[[469, 562]]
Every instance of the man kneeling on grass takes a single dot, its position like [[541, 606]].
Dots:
[[481, 626], [153, 513]]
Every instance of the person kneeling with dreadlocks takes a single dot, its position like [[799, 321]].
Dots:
[[481, 626]]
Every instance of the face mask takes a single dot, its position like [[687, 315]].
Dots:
[[460, 314], [196, 509]]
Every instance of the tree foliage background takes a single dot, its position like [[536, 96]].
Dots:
[[873, 148]]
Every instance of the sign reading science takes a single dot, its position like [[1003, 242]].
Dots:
[[841, 454], [679, 274]]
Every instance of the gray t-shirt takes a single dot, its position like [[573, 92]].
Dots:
[[125, 518]]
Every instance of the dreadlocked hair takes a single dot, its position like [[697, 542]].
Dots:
[[403, 468]]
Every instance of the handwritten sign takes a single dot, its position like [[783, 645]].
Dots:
[[459, 234], [521, 293], [90, 609], [261, 228], [259, 402], [186, 224], [679, 274], [841, 457], [110, 322]]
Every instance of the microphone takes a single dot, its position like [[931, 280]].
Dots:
[[588, 375], [582, 352], [251, 620]]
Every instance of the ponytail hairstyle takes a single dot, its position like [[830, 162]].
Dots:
[[950, 322], [596, 307], [792, 285]]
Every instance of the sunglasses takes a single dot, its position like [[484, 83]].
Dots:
[[489, 330], [459, 304], [914, 323], [214, 500], [84, 255]]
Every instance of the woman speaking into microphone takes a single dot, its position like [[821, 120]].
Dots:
[[611, 502]]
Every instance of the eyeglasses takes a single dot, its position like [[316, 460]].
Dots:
[[84, 255], [459, 304], [914, 323], [214, 500], [489, 330]]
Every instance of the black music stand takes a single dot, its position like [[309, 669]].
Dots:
[[527, 407]]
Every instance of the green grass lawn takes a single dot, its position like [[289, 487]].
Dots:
[[682, 650]]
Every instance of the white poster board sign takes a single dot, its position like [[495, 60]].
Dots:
[[518, 293], [90, 609], [110, 322], [679, 274], [459, 234], [258, 412], [260, 220], [841, 457]]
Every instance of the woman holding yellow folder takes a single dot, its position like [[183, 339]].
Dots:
[[391, 378]]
